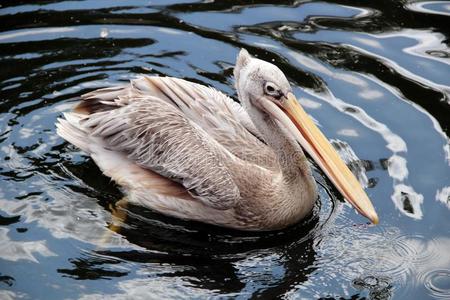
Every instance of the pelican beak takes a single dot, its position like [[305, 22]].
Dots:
[[319, 148]]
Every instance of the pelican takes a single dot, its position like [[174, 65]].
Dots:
[[189, 151]]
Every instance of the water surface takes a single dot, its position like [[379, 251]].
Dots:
[[375, 75]]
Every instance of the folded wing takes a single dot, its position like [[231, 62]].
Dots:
[[180, 130]]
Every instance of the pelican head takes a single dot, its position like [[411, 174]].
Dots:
[[266, 94]]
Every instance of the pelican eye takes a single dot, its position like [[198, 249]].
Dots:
[[271, 90]]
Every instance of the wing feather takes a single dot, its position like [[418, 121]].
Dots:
[[156, 136], [178, 129]]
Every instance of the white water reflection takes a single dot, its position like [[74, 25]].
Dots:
[[396, 50], [369, 94], [348, 132], [437, 127], [65, 215], [443, 196], [431, 7], [22, 250], [12, 36], [155, 288], [11, 295], [407, 200], [402, 70], [397, 167], [311, 104], [248, 16], [424, 41], [368, 42]]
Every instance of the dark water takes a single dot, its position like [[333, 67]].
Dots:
[[374, 74]]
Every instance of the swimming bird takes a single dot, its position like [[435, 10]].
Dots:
[[191, 152]]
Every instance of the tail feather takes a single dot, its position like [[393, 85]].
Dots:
[[115, 164], [100, 100], [70, 130]]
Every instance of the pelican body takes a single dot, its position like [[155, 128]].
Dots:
[[191, 152]]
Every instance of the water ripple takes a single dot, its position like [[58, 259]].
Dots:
[[374, 76], [438, 283], [386, 257]]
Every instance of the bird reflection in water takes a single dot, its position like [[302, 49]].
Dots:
[[206, 256]]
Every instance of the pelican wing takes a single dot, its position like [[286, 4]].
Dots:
[[223, 119], [180, 130]]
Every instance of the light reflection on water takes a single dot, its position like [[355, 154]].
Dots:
[[374, 78]]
